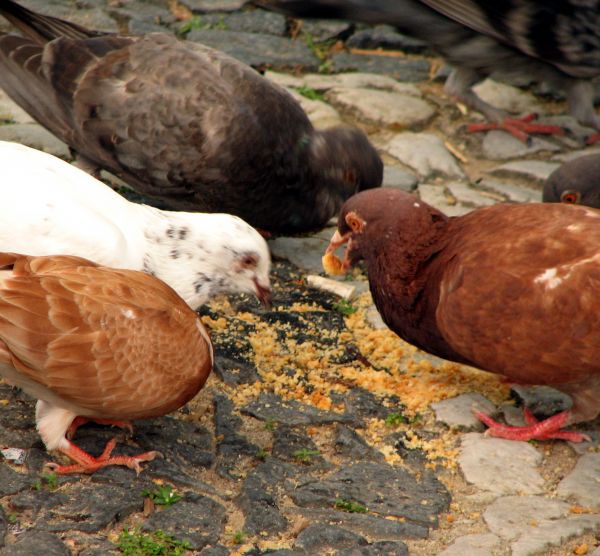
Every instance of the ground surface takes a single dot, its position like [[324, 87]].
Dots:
[[317, 433]]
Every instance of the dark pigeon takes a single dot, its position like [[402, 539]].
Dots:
[[556, 42], [510, 289], [576, 181], [183, 123]]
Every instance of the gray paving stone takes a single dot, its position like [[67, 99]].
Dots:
[[321, 30], [382, 108], [473, 545], [214, 5], [386, 37], [12, 112], [535, 523], [509, 98], [458, 411], [258, 50], [359, 80], [410, 71], [537, 170], [396, 177], [582, 484], [321, 114], [542, 401], [425, 153], [436, 196], [34, 135], [501, 466], [501, 145], [470, 196], [305, 252], [511, 192]]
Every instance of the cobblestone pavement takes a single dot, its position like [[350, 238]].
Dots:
[[316, 435]]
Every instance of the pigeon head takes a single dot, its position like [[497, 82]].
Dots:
[[370, 219], [203, 255], [575, 182], [343, 162]]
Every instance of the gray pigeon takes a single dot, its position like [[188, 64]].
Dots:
[[557, 42], [576, 182], [183, 123]]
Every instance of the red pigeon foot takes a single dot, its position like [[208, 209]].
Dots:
[[592, 139], [518, 127], [534, 430], [86, 463], [80, 421]]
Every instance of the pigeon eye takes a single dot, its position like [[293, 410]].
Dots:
[[248, 261], [570, 197], [355, 222]]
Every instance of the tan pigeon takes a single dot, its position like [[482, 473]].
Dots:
[[95, 343]]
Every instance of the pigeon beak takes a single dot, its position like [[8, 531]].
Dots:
[[336, 241], [263, 294]]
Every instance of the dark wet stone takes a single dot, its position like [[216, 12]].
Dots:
[[382, 489], [369, 525], [542, 401], [37, 501], [33, 543], [3, 526], [399, 68], [321, 30], [230, 445], [257, 21], [12, 482], [122, 476], [17, 419], [196, 519], [383, 548], [259, 51], [37, 459], [386, 37], [90, 509], [409, 455], [292, 446], [235, 372], [363, 403], [139, 17], [349, 444], [94, 546], [218, 550], [271, 407], [182, 443], [321, 538], [260, 507]]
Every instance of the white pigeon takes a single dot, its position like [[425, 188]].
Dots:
[[49, 207]]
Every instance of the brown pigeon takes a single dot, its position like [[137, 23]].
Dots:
[[183, 123], [510, 289], [95, 343], [555, 42], [576, 181]]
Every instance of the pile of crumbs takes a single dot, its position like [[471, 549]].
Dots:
[[304, 350]]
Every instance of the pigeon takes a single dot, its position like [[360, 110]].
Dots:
[[576, 181], [510, 289], [96, 343], [556, 42], [49, 207], [184, 123]]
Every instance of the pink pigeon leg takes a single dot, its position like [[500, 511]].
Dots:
[[79, 421], [518, 127], [534, 430], [86, 463]]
